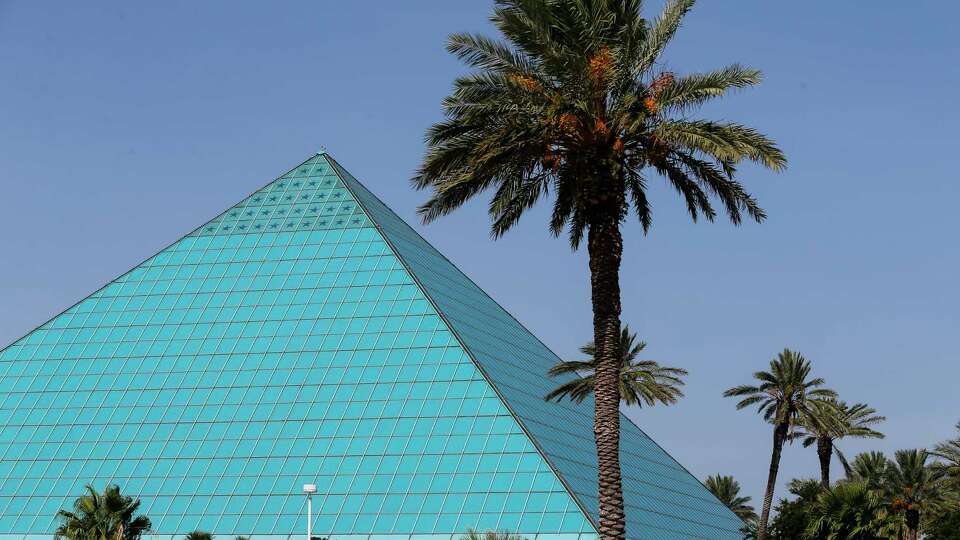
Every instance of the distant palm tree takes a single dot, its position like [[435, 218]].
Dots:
[[850, 511], [198, 535], [869, 468], [641, 381], [102, 516], [783, 397], [573, 106], [830, 420], [949, 451], [727, 491], [914, 486]]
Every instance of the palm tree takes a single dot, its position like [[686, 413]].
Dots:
[[641, 381], [783, 397], [849, 511], [573, 106], [914, 486], [198, 535], [727, 491], [830, 420], [102, 516], [869, 468]]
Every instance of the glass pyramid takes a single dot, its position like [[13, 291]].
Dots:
[[309, 335]]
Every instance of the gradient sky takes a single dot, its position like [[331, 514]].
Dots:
[[123, 128]]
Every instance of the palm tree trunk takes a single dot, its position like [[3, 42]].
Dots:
[[913, 523], [605, 246], [779, 435], [825, 453]]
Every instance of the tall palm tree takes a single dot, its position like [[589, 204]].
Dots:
[[914, 486], [850, 511], [727, 491], [103, 516], [198, 535], [831, 420], [641, 381], [783, 397], [869, 468], [573, 106]]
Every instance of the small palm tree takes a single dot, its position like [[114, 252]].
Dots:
[[574, 107], [198, 535], [869, 468], [727, 491], [641, 381], [849, 511], [914, 486], [102, 516], [783, 397], [830, 420]]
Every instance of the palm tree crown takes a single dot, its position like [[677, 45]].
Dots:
[[103, 516], [869, 468], [727, 490], [831, 419], [641, 381], [574, 107], [785, 393]]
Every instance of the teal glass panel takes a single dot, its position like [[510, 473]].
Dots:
[[282, 343], [662, 499]]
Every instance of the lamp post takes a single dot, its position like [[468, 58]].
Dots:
[[309, 490]]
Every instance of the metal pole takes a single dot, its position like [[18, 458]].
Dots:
[[309, 517]]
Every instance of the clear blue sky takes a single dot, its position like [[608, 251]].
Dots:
[[123, 128]]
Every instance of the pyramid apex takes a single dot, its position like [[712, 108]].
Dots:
[[322, 151]]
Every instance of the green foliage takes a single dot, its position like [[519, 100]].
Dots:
[[490, 535], [727, 491], [792, 515], [949, 452], [198, 535], [869, 468], [849, 511], [945, 526], [102, 516], [571, 106], [641, 381]]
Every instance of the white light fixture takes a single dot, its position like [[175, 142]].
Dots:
[[309, 489]]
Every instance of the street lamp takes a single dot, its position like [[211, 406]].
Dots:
[[309, 490]]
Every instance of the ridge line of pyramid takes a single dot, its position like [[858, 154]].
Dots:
[[339, 170]]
